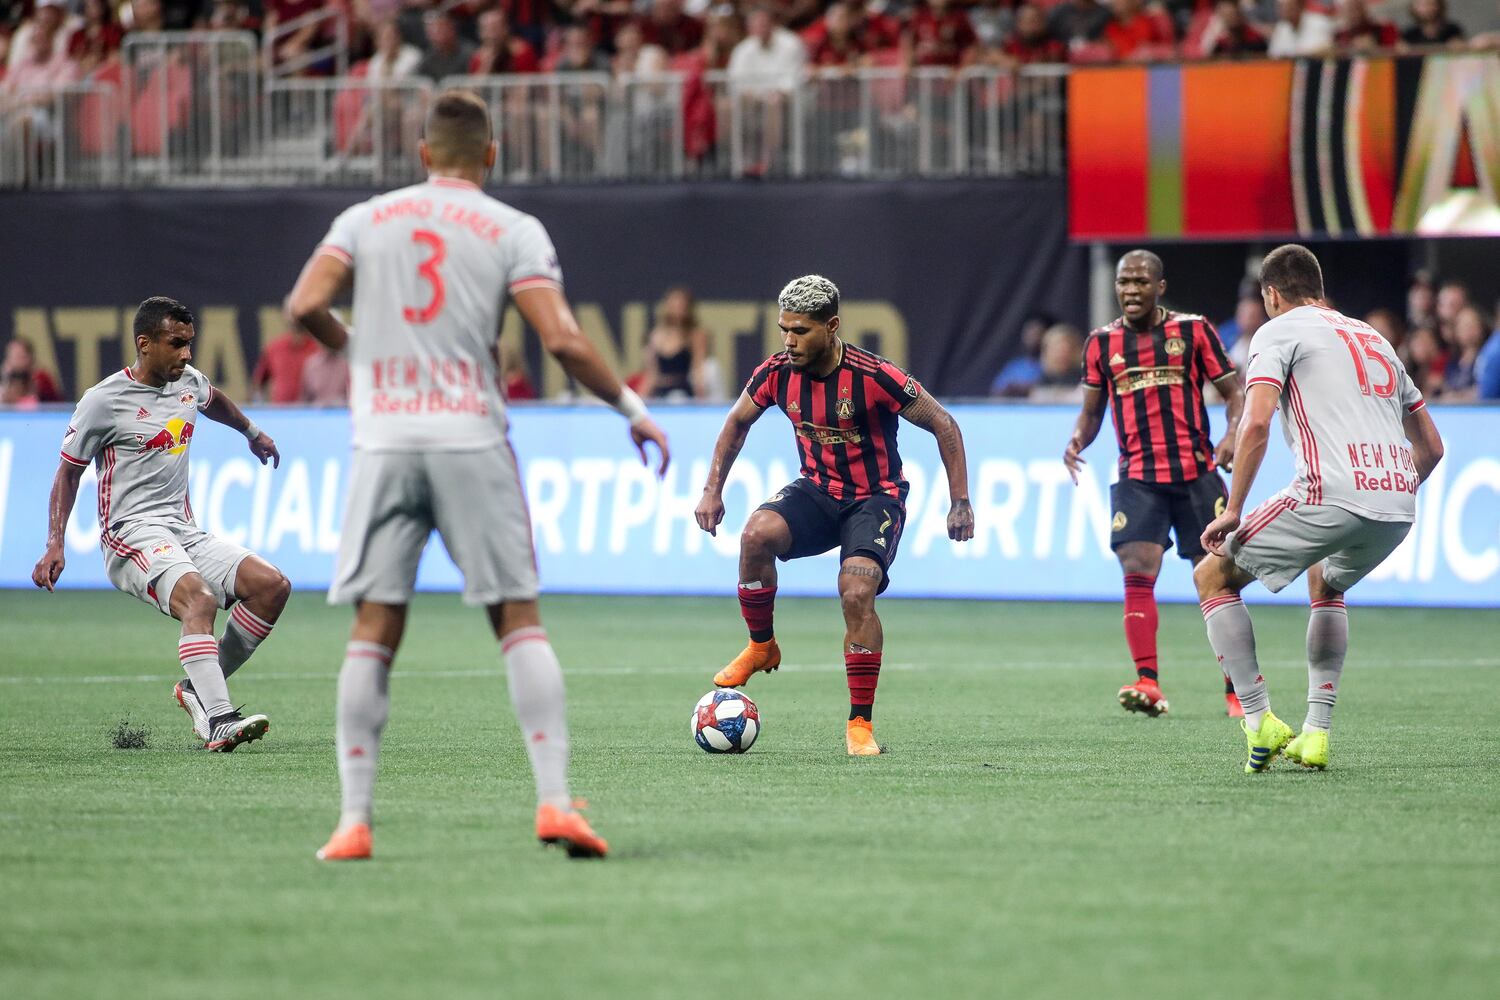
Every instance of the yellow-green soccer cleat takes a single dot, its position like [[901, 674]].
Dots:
[[1266, 742], [1310, 749]]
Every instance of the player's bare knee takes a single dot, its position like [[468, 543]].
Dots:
[[278, 592], [1213, 577], [859, 582], [759, 538]]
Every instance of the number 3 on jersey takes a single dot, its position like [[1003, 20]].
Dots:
[[1367, 342], [428, 269]]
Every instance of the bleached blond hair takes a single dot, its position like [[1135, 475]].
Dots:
[[811, 294]]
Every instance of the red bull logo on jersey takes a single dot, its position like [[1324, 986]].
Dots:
[[188, 398], [161, 549], [172, 439]]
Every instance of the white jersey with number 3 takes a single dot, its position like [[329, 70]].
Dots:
[[1344, 397], [433, 264]]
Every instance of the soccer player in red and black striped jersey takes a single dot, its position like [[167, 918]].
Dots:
[[1153, 364], [843, 403]]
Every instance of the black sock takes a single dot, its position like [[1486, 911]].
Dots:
[[1228, 685], [1145, 673], [866, 712], [761, 635]]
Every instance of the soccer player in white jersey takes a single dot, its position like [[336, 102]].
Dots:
[[431, 266], [1363, 443], [136, 427]]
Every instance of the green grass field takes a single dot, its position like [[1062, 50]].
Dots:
[[1023, 836]]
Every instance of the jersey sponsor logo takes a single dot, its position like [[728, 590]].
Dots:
[[1136, 379], [911, 388], [1118, 524], [829, 435], [172, 439], [1176, 346], [845, 409]]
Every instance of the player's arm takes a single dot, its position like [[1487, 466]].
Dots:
[[1085, 429], [223, 410], [59, 509], [1233, 392], [736, 428], [928, 414], [1426, 442], [1250, 451], [550, 316], [323, 279]]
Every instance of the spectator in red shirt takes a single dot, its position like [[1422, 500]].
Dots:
[[500, 51], [1032, 42], [670, 28], [280, 367], [940, 34], [1230, 34], [93, 44], [1133, 31], [20, 360], [1360, 31], [837, 44]]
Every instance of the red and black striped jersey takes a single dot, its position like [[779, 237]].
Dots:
[[1155, 382], [845, 421]]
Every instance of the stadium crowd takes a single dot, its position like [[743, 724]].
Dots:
[[1443, 334], [44, 43], [1448, 341]]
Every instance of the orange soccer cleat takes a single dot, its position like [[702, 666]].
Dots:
[[350, 843], [860, 736], [1144, 696], [756, 657], [569, 829]]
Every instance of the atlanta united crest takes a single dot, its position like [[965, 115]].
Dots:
[[845, 409], [1175, 346]]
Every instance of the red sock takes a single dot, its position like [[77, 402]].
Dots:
[[863, 671], [1140, 622], [757, 606]]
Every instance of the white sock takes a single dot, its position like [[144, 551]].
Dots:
[[242, 634], [364, 703], [1233, 639], [1327, 642], [199, 654], [536, 691]]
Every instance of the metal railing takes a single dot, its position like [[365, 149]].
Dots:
[[348, 130], [200, 108], [191, 107], [60, 137]]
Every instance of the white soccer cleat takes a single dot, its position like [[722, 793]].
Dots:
[[229, 731], [187, 699]]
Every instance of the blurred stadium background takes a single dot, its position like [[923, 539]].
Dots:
[[967, 173]]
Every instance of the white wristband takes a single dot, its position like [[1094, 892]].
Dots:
[[631, 406], [252, 432]]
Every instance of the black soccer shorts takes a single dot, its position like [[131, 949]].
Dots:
[[1154, 512], [870, 527]]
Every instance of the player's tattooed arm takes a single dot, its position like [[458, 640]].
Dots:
[[1233, 392], [1085, 429], [59, 509], [731, 439], [928, 414], [224, 410], [310, 304]]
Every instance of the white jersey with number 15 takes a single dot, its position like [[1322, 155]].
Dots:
[[433, 264], [1344, 397]]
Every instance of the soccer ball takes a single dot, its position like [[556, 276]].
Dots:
[[725, 722]]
